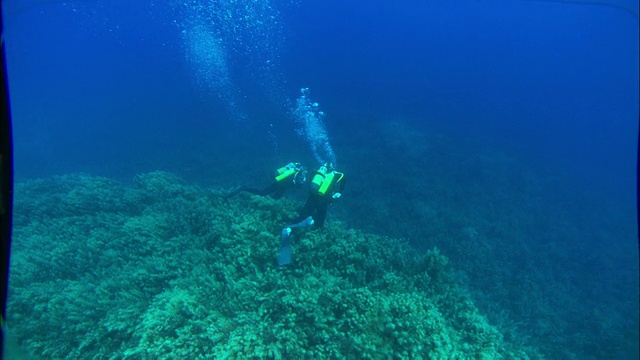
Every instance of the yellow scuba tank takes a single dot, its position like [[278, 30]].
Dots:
[[318, 178], [285, 171], [285, 168], [326, 184]]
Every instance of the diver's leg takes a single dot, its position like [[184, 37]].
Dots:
[[307, 209], [320, 214], [268, 190], [235, 192], [278, 193], [261, 192]]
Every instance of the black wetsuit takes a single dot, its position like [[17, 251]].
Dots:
[[317, 205], [275, 189]]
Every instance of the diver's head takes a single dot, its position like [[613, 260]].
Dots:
[[330, 166], [301, 175]]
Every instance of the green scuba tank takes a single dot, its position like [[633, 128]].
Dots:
[[326, 184], [318, 178], [285, 171]]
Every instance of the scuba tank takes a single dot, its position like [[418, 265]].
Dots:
[[318, 178], [286, 171], [324, 178], [329, 181], [326, 184]]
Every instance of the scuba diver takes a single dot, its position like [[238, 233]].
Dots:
[[326, 186], [291, 175]]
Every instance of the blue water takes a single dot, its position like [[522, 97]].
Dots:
[[515, 106]]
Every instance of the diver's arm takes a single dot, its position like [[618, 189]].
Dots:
[[338, 193], [341, 185]]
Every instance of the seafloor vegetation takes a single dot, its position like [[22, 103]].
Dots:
[[548, 251], [532, 260], [165, 269]]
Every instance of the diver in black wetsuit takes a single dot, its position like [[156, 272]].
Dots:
[[291, 175], [325, 187]]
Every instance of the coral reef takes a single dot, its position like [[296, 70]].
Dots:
[[550, 259], [164, 269]]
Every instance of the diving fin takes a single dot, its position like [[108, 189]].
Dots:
[[284, 258]]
